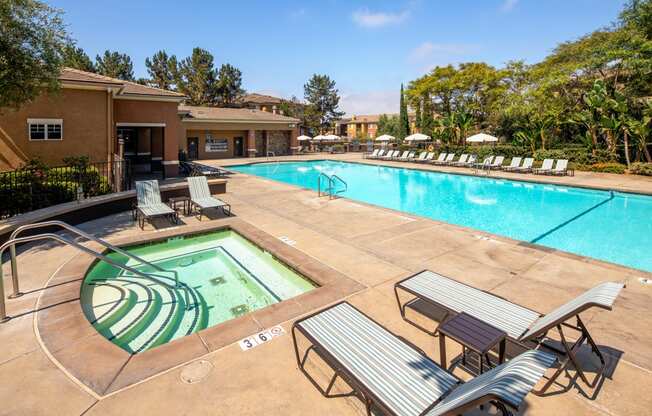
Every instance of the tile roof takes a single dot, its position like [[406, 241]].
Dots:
[[260, 99], [233, 114], [77, 76]]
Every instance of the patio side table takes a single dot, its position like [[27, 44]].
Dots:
[[184, 200], [474, 335]]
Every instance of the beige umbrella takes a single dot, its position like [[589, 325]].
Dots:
[[481, 138], [417, 137]]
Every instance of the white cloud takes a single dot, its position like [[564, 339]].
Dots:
[[433, 54], [370, 102], [508, 5], [366, 18]]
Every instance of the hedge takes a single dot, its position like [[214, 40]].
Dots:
[[641, 169]]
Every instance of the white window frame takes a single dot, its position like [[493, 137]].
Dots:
[[46, 122]]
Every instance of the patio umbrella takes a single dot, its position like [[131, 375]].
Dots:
[[332, 138], [304, 138], [481, 138], [319, 138], [418, 137], [385, 138]]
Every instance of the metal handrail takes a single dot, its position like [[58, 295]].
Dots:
[[328, 178], [346, 186], [61, 239], [331, 184], [74, 230]]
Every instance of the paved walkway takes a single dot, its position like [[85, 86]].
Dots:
[[374, 246]]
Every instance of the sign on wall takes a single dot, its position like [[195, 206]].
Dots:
[[216, 145]]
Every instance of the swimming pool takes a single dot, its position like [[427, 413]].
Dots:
[[224, 274], [610, 226]]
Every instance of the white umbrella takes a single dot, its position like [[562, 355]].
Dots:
[[418, 137], [481, 138], [385, 138], [319, 138], [332, 138], [304, 138]]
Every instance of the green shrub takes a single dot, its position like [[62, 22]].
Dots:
[[607, 167], [641, 169]]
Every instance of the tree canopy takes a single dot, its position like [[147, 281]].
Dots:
[[162, 70], [587, 92], [323, 102], [32, 37], [75, 57], [115, 65]]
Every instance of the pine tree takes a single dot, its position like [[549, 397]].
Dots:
[[161, 69], [404, 126], [418, 120], [75, 57], [323, 100], [115, 65], [229, 85], [197, 78]]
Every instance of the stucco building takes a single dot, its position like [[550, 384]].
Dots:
[[99, 117]]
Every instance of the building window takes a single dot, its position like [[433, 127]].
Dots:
[[45, 129]]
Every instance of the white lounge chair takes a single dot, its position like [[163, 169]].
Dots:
[[469, 162], [449, 158], [404, 156], [201, 198], [394, 377], [429, 289], [372, 154], [461, 161], [485, 163], [429, 157], [525, 167], [440, 158], [546, 167], [497, 163], [149, 204], [421, 157], [390, 155], [515, 163], [561, 167]]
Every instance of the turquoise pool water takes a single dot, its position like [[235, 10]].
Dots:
[[224, 275], [611, 226]]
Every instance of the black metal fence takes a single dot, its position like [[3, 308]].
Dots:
[[34, 187]]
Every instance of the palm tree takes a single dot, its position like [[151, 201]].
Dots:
[[464, 121]]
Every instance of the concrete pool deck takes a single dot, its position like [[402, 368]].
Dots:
[[372, 246]]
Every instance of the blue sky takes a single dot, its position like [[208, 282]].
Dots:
[[368, 47]]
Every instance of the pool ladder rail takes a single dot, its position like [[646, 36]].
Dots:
[[331, 188], [14, 239]]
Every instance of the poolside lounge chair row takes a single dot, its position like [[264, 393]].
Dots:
[[517, 164], [393, 376], [149, 204]]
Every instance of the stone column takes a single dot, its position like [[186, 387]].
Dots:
[[294, 142], [251, 143]]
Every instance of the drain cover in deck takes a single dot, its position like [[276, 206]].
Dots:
[[196, 371]]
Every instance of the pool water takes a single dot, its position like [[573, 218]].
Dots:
[[225, 276], [610, 226]]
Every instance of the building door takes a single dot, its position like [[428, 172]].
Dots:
[[238, 146], [193, 148]]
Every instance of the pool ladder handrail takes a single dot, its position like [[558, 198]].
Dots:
[[13, 240], [330, 190]]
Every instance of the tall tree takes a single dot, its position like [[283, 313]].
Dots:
[[161, 69], [388, 125], [427, 117], [323, 101], [197, 78], [404, 121], [417, 115], [32, 36], [75, 57], [229, 85], [115, 65]]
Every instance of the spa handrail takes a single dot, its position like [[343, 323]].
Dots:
[[77, 231], [51, 236]]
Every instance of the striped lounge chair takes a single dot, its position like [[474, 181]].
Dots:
[[521, 324], [201, 198], [149, 204], [394, 377]]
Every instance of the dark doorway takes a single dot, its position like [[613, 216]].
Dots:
[[238, 146], [193, 148]]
